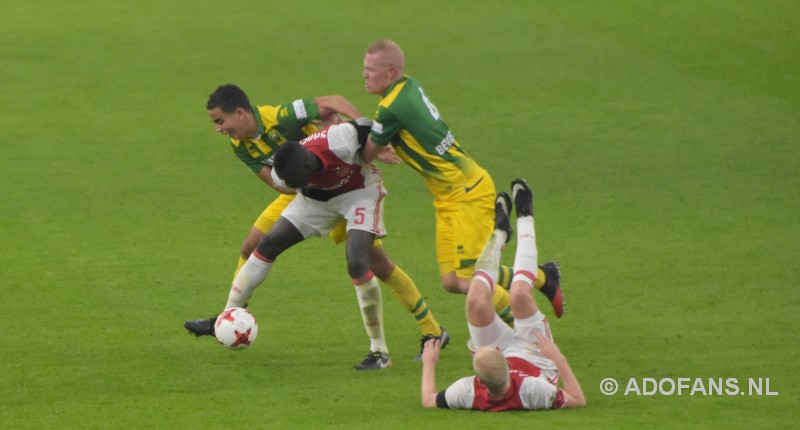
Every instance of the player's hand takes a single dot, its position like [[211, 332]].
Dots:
[[330, 120], [388, 156], [548, 348], [431, 350]]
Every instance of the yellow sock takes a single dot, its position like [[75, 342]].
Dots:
[[504, 276], [502, 305], [405, 291], [239, 267], [540, 279], [507, 273]]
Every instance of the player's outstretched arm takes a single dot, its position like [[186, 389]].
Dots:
[[575, 397], [370, 151], [330, 105], [430, 355]]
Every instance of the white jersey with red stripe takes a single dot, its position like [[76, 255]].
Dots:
[[346, 187], [527, 391], [342, 168]]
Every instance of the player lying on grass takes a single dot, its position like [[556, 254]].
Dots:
[[515, 368], [332, 184], [255, 133]]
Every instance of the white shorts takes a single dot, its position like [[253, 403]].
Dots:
[[519, 341], [363, 210]]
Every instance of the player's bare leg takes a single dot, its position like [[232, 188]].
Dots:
[[248, 245], [281, 237], [359, 253], [262, 225], [500, 298], [251, 241], [481, 308], [380, 263]]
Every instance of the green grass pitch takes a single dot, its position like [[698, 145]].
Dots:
[[662, 140]]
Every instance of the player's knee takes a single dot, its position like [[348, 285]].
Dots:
[[450, 288], [455, 287], [520, 295], [475, 302], [357, 268], [450, 283], [266, 247]]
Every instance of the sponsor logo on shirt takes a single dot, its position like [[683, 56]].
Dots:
[[322, 134], [299, 109], [377, 127], [274, 136]]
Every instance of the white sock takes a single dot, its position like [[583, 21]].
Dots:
[[250, 276], [525, 267], [488, 264], [369, 300]]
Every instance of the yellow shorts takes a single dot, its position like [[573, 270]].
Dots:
[[462, 229], [270, 216]]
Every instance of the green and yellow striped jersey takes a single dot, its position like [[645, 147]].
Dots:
[[276, 124], [411, 123]]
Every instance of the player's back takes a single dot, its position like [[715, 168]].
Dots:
[[423, 140]]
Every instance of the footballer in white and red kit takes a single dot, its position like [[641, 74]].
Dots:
[[526, 393], [332, 184], [344, 186], [515, 369], [533, 377]]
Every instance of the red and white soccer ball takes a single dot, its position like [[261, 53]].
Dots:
[[236, 328]]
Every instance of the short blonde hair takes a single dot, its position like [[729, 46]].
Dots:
[[392, 53], [491, 368]]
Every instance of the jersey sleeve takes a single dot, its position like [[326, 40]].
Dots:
[[536, 393], [280, 183], [459, 395], [384, 126], [297, 114], [441, 400], [343, 141]]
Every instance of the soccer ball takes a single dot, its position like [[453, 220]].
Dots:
[[236, 328]]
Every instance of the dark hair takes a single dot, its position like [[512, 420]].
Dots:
[[294, 164], [228, 98]]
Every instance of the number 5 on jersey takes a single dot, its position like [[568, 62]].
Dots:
[[359, 218]]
